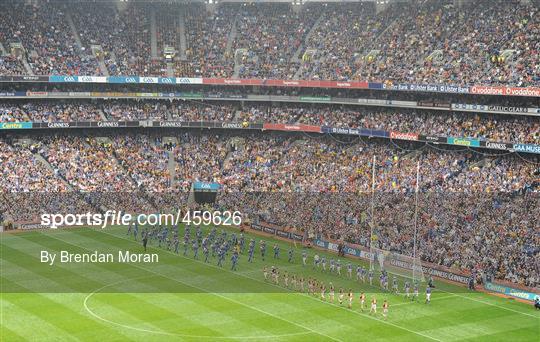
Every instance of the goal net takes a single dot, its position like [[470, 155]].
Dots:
[[398, 264]]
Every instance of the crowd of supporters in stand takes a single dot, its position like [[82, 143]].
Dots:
[[271, 34], [11, 65], [477, 210], [124, 36], [342, 34], [318, 185], [47, 39], [483, 42], [495, 236], [209, 52], [144, 159], [271, 163], [503, 128]]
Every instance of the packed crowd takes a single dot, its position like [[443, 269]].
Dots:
[[11, 65], [342, 34], [482, 126], [171, 110], [320, 186], [272, 162], [502, 128], [495, 237], [209, 52], [145, 161], [118, 110], [46, 37], [61, 111], [198, 159], [124, 36], [29, 176], [271, 34], [483, 42]]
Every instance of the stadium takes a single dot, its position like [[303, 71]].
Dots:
[[285, 170]]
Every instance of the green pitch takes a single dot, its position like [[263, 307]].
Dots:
[[180, 298]]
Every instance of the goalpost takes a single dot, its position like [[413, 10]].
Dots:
[[395, 263], [398, 264], [372, 237]]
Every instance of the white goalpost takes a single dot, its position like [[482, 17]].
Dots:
[[372, 223], [403, 265], [398, 264]]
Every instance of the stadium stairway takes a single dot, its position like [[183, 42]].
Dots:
[[112, 57], [103, 67], [234, 144], [102, 114], [74, 32], [153, 35], [171, 166], [2, 50], [296, 56], [237, 114], [170, 69], [236, 70], [171, 161], [412, 155], [230, 38], [39, 157], [481, 163], [182, 43], [27, 66]]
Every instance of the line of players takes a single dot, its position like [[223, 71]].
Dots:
[[314, 287], [220, 245], [212, 245], [320, 263]]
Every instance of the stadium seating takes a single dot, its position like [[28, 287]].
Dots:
[[301, 172], [505, 128], [492, 42]]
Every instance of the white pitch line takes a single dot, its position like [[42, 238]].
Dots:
[[491, 304], [160, 332], [218, 295]]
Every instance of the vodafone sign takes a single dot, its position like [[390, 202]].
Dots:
[[509, 91], [403, 136]]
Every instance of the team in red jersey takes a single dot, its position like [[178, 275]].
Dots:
[[318, 288]]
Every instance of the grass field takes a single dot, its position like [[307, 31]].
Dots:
[[180, 298]]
